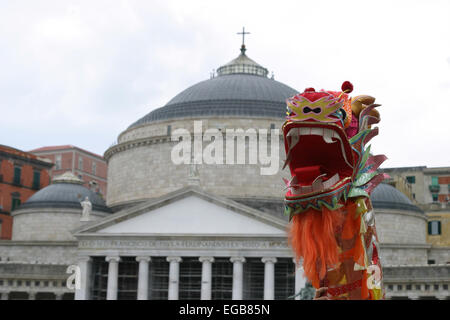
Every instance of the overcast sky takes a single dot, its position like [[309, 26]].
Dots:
[[79, 72]]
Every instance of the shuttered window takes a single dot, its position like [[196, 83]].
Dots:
[[434, 227], [17, 175]]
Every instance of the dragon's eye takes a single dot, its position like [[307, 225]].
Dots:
[[344, 114], [315, 110]]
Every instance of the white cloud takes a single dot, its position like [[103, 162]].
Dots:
[[80, 72]]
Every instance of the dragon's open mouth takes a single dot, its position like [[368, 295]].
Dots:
[[319, 156]]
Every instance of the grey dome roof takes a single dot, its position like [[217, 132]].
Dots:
[[385, 196], [241, 89], [64, 195]]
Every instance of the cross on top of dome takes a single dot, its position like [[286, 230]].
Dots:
[[243, 39], [242, 64]]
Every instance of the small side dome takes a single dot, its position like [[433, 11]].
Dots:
[[385, 196], [66, 191]]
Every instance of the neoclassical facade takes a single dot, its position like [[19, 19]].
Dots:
[[196, 231]]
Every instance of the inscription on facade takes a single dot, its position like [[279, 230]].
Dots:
[[181, 244]]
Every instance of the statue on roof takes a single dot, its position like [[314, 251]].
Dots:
[[87, 209]]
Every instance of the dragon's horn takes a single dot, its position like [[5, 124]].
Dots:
[[359, 102]]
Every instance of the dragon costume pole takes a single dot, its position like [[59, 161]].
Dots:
[[332, 226]]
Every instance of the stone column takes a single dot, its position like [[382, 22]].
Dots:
[[85, 265], [59, 295], [31, 295], [113, 277], [238, 277], [300, 281], [4, 296], [269, 277], [174, 277], [206, 277], [142, 293]]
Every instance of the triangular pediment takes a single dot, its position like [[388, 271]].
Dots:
[[188, 212]]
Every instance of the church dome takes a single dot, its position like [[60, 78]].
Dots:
[[385, 196], [66, 191], [240, 89]]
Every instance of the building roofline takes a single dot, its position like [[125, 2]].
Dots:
[[17, 154], [65, 147], [421, 168]]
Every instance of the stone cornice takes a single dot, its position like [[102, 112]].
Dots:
[[134, 144], [38, 243], [55, 210], [145, 142], [405, 245], [379, 211]]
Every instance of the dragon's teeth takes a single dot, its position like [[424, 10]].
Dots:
[[327, 135], [317, 131]]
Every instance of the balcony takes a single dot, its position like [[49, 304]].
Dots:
[[434, 188]]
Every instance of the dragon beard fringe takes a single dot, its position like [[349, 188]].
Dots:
[[312, 235]]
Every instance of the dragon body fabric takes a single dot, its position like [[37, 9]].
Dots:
[[332, 226]]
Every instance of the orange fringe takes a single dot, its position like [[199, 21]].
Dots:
[[312, 236]]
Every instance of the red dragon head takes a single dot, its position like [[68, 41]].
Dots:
[[324, 136], [332, 176]]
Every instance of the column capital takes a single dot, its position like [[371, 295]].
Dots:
[[112, 259], [143, 258], [237, 259], [174, 259], [269, 260], [206, 259]]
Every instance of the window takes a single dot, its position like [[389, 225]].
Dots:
[[190, 279], [431, 261], [222, 279], [272, 126], [411, 179], [435, 197], [15, 201], [94, 168], [17, 174], [1, 222], [434, 181], [434, 227], [169, 130], [127, 279], [414, 196], [159, 279], [99, 278], [80, 163], [284, 279], [58, 162], [253, 279], [36, 179]]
